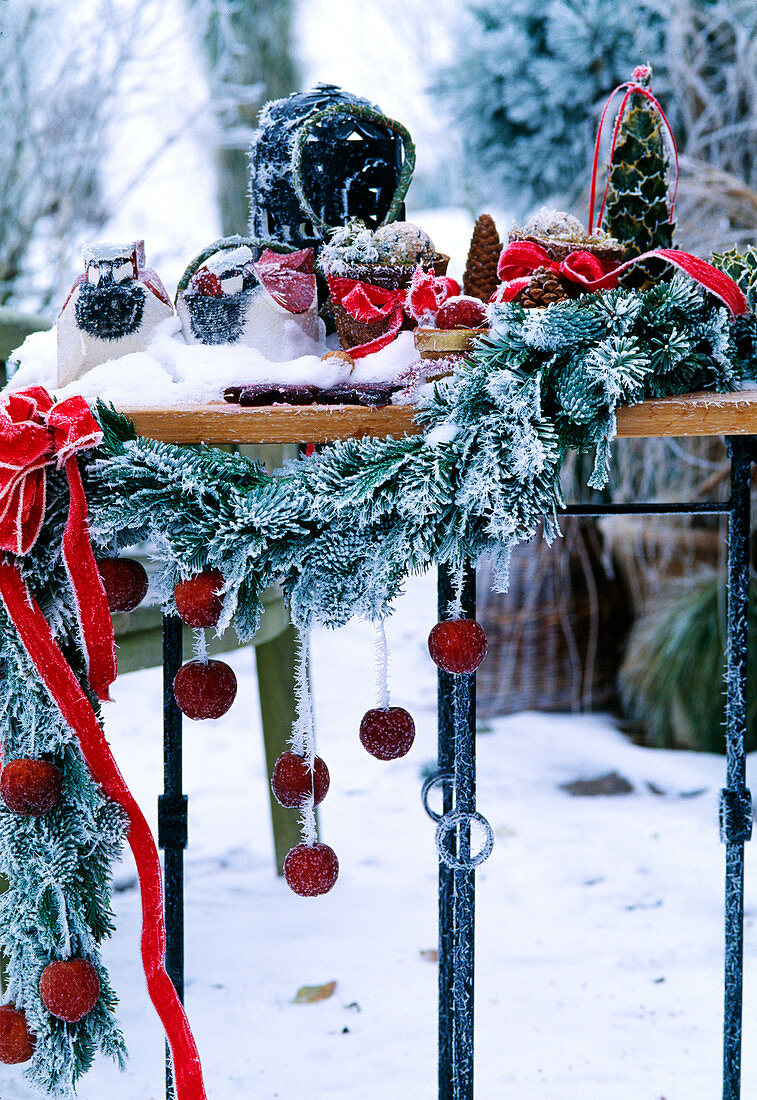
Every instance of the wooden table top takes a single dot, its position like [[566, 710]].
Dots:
[[214, 424]]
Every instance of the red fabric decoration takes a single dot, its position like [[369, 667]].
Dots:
[[428, 293], [521, 258], [34, 434], [65, 690], [368, 303], [289, 278]]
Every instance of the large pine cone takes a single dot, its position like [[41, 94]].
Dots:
[[480, 278], [545, 288]]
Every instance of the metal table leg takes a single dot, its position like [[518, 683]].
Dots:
[[172, 819], [457, 777], [735, 799]]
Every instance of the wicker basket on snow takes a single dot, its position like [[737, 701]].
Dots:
[[556, 636]]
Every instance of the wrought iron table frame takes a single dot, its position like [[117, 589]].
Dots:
[[456, 767]]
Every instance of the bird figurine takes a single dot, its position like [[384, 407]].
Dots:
[[111, 310]]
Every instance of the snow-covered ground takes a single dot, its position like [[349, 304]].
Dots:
[[599, 943]]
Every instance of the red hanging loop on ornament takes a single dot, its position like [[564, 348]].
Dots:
[[641, 72]]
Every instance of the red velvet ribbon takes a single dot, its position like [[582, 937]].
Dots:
[[521, 258], [34, 434], [367, 303]]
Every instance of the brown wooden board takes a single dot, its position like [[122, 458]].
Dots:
[[214, 424]]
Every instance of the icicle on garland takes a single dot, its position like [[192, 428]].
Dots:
[[303, 732], [311, 867], [382, 666], [200, 646]]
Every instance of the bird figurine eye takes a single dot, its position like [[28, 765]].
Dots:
[[122, 270], [231, 282]]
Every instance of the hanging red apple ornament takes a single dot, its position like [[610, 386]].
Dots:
[[457, 646], [311, 869], [16, 1041], [204, 689], [293, 781], [198, 601], [125, 582], [30, 787], [387, 732], [69, 989]]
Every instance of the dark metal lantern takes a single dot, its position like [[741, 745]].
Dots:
[[351, 166]]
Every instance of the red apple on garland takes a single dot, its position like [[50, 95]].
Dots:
[[69, 989], [198, 601], [16, 1041], [204, 689], [293, 781], [31, 787], [311, 869], [457, 646], [387, 732], [125, 582]]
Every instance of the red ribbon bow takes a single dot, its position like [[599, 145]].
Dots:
[[35, 434], [367, 303], [521, 258]]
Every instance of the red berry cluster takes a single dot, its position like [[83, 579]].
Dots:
[[457, 645]]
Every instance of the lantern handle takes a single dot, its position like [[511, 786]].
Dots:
[[226, 244], [367, 114]]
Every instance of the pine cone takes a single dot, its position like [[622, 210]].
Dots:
[[545, 288], [480, 278]]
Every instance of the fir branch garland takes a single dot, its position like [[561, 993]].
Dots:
[[340, 531]]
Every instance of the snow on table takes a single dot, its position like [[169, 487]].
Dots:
[[171, 373]]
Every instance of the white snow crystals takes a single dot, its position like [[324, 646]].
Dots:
[[171, 373]]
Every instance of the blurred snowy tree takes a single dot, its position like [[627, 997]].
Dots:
[[60, 70], [249, 54], [711, 64], [528, 82]]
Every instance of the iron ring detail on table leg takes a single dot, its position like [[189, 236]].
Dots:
[[449, 822], [429, 783]]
